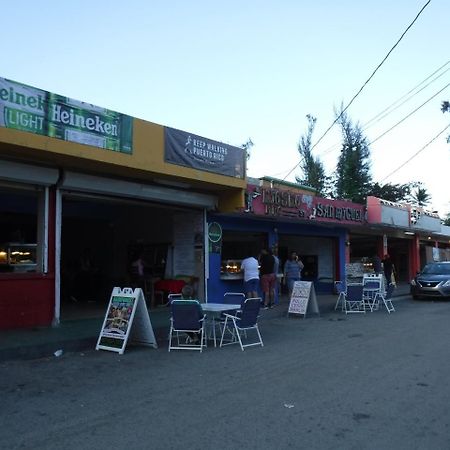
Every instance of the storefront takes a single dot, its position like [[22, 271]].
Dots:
[[27, 244], [281, 216], [410, 234], [83, 184]]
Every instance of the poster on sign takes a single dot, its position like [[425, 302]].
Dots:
[[126, 319], [303, 299]]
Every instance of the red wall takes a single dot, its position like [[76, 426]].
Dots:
[[26, 300]]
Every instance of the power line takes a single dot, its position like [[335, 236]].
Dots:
[[415, 154], [366, 82], [396, 124], [377, 116], [409, 115], [369, 123]]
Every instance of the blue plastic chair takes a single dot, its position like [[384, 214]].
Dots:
[[340, 290], [239, 324], [188, 319], [354, 302], [386, 298], [372, 287], [234, 298]]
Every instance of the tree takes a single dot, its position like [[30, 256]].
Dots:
[[445, 107], [392, 192], [446, 221], [312, 168], [419, 194], [247, 146], [353, 179]]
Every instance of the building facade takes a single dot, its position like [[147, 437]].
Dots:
[[83, 189]]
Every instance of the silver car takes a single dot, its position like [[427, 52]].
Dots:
[[432, 281]]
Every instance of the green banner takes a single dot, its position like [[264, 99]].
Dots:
[[36, 111]]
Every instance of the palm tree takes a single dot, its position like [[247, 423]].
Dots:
[[419, 195]]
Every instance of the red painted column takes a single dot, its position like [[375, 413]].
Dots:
[[414, 256]]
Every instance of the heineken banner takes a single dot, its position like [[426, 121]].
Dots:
[[36, 111], [186, 149]]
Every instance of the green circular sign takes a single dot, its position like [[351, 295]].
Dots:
[[214, 232]]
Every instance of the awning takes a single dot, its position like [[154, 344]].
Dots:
[[73, 181]]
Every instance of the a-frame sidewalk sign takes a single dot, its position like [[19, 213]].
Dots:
[[126, 320], [303, 299]]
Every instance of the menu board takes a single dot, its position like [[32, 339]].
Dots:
[[126, 316], [303, 299], [187, 227]]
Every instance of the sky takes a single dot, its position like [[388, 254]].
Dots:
[[241, 69]]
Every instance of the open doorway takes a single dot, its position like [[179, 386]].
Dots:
[[101, 236]]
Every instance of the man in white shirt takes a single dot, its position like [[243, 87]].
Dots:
[[250, 267]]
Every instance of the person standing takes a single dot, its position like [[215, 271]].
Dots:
[[292, 271], [137, 270], [268, 278], [250, 267], [376, 262], [388, 269], [276, 270]]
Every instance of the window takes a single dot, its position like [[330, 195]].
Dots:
[[22, 211]]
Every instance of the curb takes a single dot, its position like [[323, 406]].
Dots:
[[47, 350]]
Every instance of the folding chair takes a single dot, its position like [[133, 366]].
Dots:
[[340, 289], [187, 318], [172, 297], [372, 286], [386, 297], [354, 302], [229, 298], [233, 298], [243, 321]]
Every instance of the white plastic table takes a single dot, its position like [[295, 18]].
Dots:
[[215, 310]]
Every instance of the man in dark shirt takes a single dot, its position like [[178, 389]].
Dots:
[[268, 277]]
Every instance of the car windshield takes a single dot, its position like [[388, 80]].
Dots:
[[437, 269]]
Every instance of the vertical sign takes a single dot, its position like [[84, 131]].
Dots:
[[303, 299], [187, 229], [215, 237], [126, 316]]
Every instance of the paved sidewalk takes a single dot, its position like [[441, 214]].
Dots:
[[82, 334]]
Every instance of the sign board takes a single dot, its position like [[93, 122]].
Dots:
[[126, 319], [190, 150], [303, 299], [215, 237], [33, 110]]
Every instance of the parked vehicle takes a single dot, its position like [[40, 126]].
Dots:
[[432, 282]]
